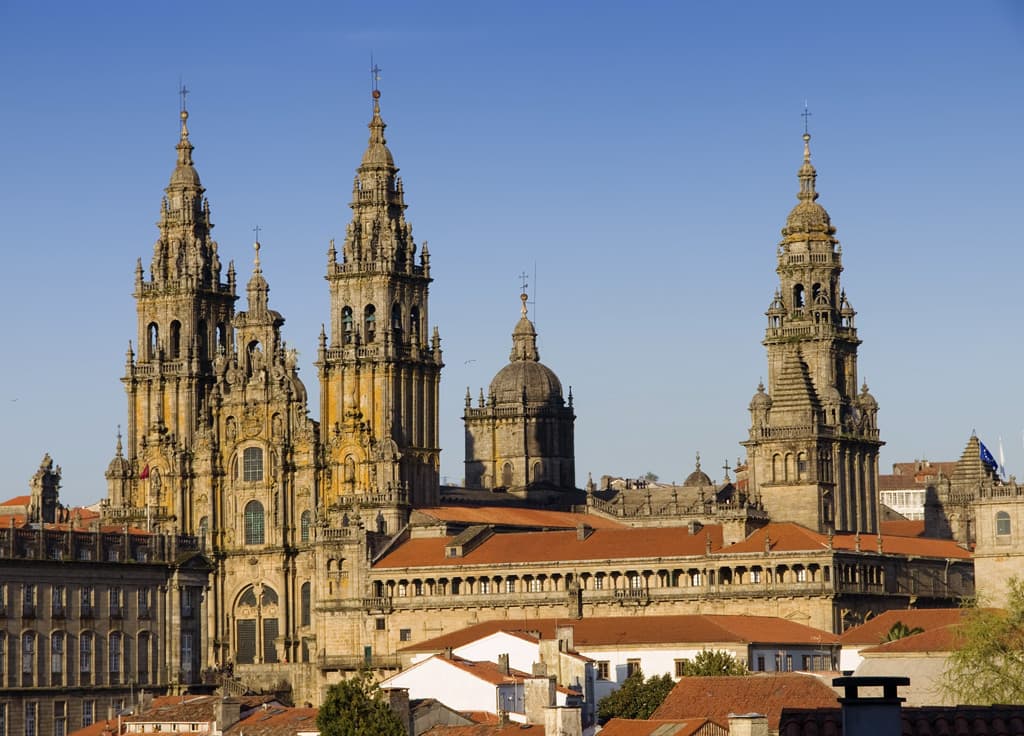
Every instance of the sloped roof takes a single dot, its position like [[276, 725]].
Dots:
[[557, 546], [617, 630], [17, 501], [479, 729], [716, 697], [941, 639], [962, 720], [790, 537], [508, 516], [874, 630], [685, 727], [902, 528], [192, 708], [276, 720]]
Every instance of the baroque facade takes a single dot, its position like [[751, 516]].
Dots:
[[331, 542]]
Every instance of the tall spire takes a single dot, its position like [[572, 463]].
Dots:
[[524, 337], [257, 288], [807, 174]]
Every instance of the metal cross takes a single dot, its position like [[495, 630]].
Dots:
[[257, 231], [523, 277], [374, 74], [183, 91], [726, 468], [806, 114]]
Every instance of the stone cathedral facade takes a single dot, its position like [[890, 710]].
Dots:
[[330, 543]]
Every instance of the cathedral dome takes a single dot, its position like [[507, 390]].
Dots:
[[807, 218], [377, 151], [761, 400], [866, 400], [525, 376], [697, 478], [185, 175]]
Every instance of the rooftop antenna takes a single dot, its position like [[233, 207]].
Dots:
[[806, 114]]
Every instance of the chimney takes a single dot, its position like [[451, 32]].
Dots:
[[539, 693], [583, 531], [397, 699], [227, 713], [873, 715], [562, 721], [748, 724], [564, 634], [503, 663]]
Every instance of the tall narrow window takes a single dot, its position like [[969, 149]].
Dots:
[[346, 325], [85, 658], [3, 665], [60, 718], [370, 322], [58, 600], [115, 657], [254, 523], [204, 529], [306, 604], [305, 522], [252, 464], [143, 658], [28, 601], [396, 321], [57, 658], [31, 717], [201, 339], [186, 655], [153, 336], [86, 600], [414, 324], [174, 346], [88, 712], [28, 658]]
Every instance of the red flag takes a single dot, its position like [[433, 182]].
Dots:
[[145, 472]]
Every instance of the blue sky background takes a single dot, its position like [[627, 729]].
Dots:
[[641, 156]]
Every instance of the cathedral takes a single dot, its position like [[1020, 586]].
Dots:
[[333, 544]]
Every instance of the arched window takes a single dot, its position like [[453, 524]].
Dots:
[[201, 340], [798, 296], [254, 357], [175, 340], [204, 529], [222, 338], [1003, 526], [350, 470], [396, 321], [778, 472], [153, 344], [252, 464], [506, 475], [346, 325], [538, 472], [306, 603], [305, 522], [370, 322], [254, 523]]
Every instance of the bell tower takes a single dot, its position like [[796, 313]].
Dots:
[[813, 444], [184, 315], [380, 366]]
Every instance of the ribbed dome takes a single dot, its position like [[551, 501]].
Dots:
[[184, 173], [761, 399], [377, 152], [866, 400], [532, 378], [808, 217], [525, 375]]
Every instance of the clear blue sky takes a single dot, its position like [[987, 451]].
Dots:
[[641, 156]]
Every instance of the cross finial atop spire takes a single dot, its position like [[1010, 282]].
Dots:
[[374, 78], [183, 92], [806, 114], [522, 294]]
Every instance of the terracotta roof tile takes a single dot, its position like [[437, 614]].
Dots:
[[686, 727], [500, 516], [716, 697], [874, 630], [556, 546], [509, 729], [276, 720], [963, 720], [902, 528], [941, 639], [695, 628], [17, 501], [789, 537]]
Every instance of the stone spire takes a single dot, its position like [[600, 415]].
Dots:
[[257, 288]]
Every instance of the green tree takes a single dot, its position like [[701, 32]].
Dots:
[[714, 663], [636, 698], [985, 668], [900, 630], [356, 707], [651, 477]]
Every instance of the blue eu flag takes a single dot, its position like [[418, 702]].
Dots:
[[986, 458]]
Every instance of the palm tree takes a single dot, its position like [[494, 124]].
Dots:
[[900, 630]]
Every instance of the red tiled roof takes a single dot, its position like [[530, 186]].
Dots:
[[518, 517], [941, 639], [613, 630], [716, 697], [962, 720], [276, 720], [686, 727], [509, 729], [557, 546], [790, 537], [17, 501], [487, 671], [874, 630], [97, 729], [902, 528]]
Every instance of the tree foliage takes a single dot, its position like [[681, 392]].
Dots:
[[714, 663], [986, 666], [636, 698], [900, 630], [356, 707]]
